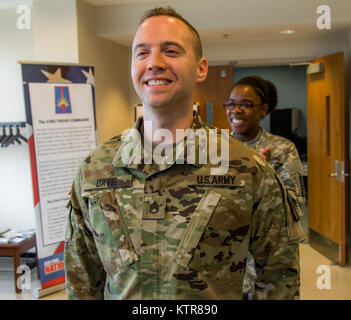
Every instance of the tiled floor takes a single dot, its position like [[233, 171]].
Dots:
[[312, 278], [311, 260]]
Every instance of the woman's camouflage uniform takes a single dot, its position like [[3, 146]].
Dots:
[[286, 162], [174, 231]]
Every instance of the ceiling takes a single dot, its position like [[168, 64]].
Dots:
[[121, 2], [236, 28], [236, 31]]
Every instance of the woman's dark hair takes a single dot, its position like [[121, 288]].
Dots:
[[264, 88]]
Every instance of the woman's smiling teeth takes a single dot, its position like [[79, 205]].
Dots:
[[158, 82], [237, 121]]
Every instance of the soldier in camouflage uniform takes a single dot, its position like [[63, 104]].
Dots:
[[282, 154], [180, 228]]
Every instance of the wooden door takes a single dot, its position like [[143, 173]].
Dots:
[[214, 91], [326, 154]]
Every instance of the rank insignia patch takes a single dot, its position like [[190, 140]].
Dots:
[[154, 207]]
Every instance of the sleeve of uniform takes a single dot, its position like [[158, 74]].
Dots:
[[276, 256], [290, 174], [85, 276]]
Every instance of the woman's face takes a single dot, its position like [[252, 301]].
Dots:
[[246, 116]]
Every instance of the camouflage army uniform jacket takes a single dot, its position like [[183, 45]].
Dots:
[[174, 231], [286, 162]]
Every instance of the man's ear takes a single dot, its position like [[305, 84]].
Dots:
[[202, 69]]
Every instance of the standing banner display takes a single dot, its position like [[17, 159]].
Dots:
[[60, 116]]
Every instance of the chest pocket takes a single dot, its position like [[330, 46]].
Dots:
[[218, 230], [110, 231], [196, 227]]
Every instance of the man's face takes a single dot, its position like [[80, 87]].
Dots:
[[164, 67]]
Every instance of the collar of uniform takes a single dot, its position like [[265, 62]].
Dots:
[[196, 125], [252, 141], [133, 141]]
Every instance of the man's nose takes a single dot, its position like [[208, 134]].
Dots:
[[156, 61]]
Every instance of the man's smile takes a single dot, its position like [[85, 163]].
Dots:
[[158, 82]]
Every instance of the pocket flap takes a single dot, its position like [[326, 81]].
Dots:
[[196, 227]]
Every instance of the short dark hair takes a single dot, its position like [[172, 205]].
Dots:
[[265, 89], [169, 11]]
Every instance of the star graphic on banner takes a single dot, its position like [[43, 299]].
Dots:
[[89, 75], [54, 77]]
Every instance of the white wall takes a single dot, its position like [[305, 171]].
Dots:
[[52, 37], [15, 45], [16, 200], [111, 74], [55, 31]]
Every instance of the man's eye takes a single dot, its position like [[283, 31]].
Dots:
[[171, 52], [140, 54], [246, 105]]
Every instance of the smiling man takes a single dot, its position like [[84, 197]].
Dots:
[[140, 229], [167, 63]]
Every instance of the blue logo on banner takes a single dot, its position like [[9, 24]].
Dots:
[[62, 100], [51, 267]]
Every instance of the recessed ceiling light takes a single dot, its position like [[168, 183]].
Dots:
[[287, 31]]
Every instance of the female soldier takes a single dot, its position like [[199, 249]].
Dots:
[[251, 99]]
